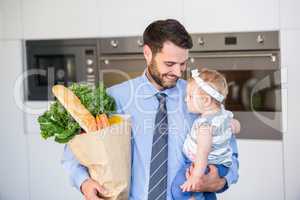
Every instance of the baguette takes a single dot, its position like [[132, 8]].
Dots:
[[73, 105]]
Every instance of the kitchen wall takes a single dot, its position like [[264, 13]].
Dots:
[[13, 142], [290, 42], [30, 167]]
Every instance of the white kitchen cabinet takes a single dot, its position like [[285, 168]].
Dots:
[[10, 19], [289, 14], [1, 21], [290, 43], [48, 179], [30, 167], [231, 15], [261, 171], [14, 177], [126, 18], [60, 18], [1, 29]]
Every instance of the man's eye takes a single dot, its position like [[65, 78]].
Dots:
[[169, 64]]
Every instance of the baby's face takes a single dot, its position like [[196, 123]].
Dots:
[[194, 98]]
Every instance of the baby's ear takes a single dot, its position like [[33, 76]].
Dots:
[[208, 100]]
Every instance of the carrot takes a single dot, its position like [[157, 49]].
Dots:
[[102, 121], [98, 122]]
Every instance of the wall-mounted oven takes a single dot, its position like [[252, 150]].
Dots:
[[52, 62], [120, 59], [251, 65]]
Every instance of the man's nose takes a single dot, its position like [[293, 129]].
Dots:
[[177, 70]]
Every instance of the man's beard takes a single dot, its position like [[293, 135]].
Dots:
[[158, 77]]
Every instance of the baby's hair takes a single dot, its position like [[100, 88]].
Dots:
[[215, 79]]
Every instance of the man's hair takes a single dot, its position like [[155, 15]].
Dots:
[[161, 31]]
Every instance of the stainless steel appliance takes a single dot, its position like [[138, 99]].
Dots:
[[51, 62], [120, 59], [249, 60], [251, 64]]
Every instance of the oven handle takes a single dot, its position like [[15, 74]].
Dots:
[[272, 56], [106, 60], [122, 58], [118, 58]]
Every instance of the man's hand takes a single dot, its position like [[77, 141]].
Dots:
[[92, 190], [210, 182]]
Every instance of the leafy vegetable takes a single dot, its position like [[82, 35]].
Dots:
[[58, 123]]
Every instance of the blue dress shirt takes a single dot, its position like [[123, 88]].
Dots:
[[136, 97]]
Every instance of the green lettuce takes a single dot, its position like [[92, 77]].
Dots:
[[58, 123]]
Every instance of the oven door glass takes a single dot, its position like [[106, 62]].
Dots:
[[50, 65], [49, 70], [60, 67], [257, 90], [117, 69], [254, 89]]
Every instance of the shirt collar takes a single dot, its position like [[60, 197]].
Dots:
[[149, 90]]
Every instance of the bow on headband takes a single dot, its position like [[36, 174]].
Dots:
[[207, 88]]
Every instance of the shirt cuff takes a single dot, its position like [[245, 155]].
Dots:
[[225, 186], [81, 176]]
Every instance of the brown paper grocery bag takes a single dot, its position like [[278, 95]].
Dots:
[[107, 155]]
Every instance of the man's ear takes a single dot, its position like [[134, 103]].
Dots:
[[147, 54]]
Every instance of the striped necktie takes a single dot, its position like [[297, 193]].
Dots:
[[159, 156]]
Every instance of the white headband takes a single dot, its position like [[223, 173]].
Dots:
[[207, 88]]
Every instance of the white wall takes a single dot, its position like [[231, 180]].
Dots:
[[1, 21], [14, 182], [29, 166], [260, 172], [60, 18], [13, 142], [10, 13], [290, 42], [231, 15], [121, 18], [94, 18]]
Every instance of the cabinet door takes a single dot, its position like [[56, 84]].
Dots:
[[260, 173], [289, 14], [124, 18], [60, 18], [13, 142], [47, 178], [290, 43], [10, 19], [231, 15]]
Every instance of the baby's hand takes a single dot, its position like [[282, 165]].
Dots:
[[190, 184], [235, 126], [192, 181]]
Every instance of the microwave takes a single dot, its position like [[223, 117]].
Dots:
[[51, 62]]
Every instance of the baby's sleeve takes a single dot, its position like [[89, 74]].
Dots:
[[201, 122]]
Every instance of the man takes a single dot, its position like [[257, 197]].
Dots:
[[160, 121]]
